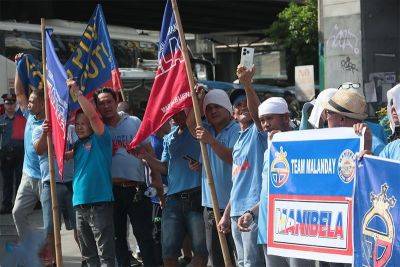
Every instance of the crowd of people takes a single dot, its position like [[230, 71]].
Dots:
[[108, 187]]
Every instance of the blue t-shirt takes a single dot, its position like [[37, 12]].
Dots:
[[44, 159], [221, 170], [158, 146], [176, 146], [31, 158], [92, 169], [262, 209], [391, 150], [248, 157], [124, 164]]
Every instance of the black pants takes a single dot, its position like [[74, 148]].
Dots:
[[213, 244], [139, 209], [11, 170]]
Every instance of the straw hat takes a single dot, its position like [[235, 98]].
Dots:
[[349, 103]]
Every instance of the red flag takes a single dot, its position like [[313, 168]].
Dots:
[[171, 91]]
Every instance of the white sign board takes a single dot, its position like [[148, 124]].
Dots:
[[304, 82]]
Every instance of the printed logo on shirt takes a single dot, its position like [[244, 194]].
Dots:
[[88, 146], [239, 165]]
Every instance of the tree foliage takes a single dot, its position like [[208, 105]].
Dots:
[[296, 30]]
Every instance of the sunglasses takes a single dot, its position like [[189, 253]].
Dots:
[[349, 85]]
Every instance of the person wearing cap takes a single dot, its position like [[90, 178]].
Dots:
[[346, 108], [274, 117], [220, 134], [183, 212], [12, 126], [247, 155]]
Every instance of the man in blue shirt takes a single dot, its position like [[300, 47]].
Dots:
[[182, 213], [92, 185], [128, 180], [274, 117], [248, 155], [12, 126], [220, 134], [29, 189]]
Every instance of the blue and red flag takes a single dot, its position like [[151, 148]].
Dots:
[[171, 91], [93, 63], [58, 101], [377, 213]]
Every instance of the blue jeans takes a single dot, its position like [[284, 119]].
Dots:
[[272, 261], [96, 233], [249, 253], [181, 217], [64, 199]]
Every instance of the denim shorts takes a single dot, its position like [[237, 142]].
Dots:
[[181, 217], [65, 209]]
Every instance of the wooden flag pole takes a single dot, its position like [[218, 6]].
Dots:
[[50, 153], [197, 114]]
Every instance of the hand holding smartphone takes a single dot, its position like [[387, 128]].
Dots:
[[247, 57]]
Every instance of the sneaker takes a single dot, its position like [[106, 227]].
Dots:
[[133, 261], [184, 261]]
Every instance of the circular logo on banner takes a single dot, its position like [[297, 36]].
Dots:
[[280, 169], [347, 166], [378, 229]]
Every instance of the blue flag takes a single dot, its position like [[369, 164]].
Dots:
[[377, 213], [58, 97], [93, 63], [30, 73]]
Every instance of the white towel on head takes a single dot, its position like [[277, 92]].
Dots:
[[393, 94], [273, 105], [318, 108], [218, 97]]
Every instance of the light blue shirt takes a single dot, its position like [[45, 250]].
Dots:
[[31, 158], [221, 170], [248, 157], [391, 150], [125, 165], [92, 169], [176, 146], [262, 209], [44, 159]]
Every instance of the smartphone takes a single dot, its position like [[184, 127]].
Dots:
[[189, 158], [247, 56]]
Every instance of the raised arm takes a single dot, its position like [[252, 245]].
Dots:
[[87, 107], [245, 77]]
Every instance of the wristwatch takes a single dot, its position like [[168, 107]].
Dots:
[[251, 213]]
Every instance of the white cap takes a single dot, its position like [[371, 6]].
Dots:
[[218, 97], [393, 94], [273, 105], [319, 105]]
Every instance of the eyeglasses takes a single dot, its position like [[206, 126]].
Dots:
[[349, 85]]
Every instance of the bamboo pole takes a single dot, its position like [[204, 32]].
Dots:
[[204, 154], [56, 221]]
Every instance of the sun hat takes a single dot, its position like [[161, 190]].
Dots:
[[349, 103]]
